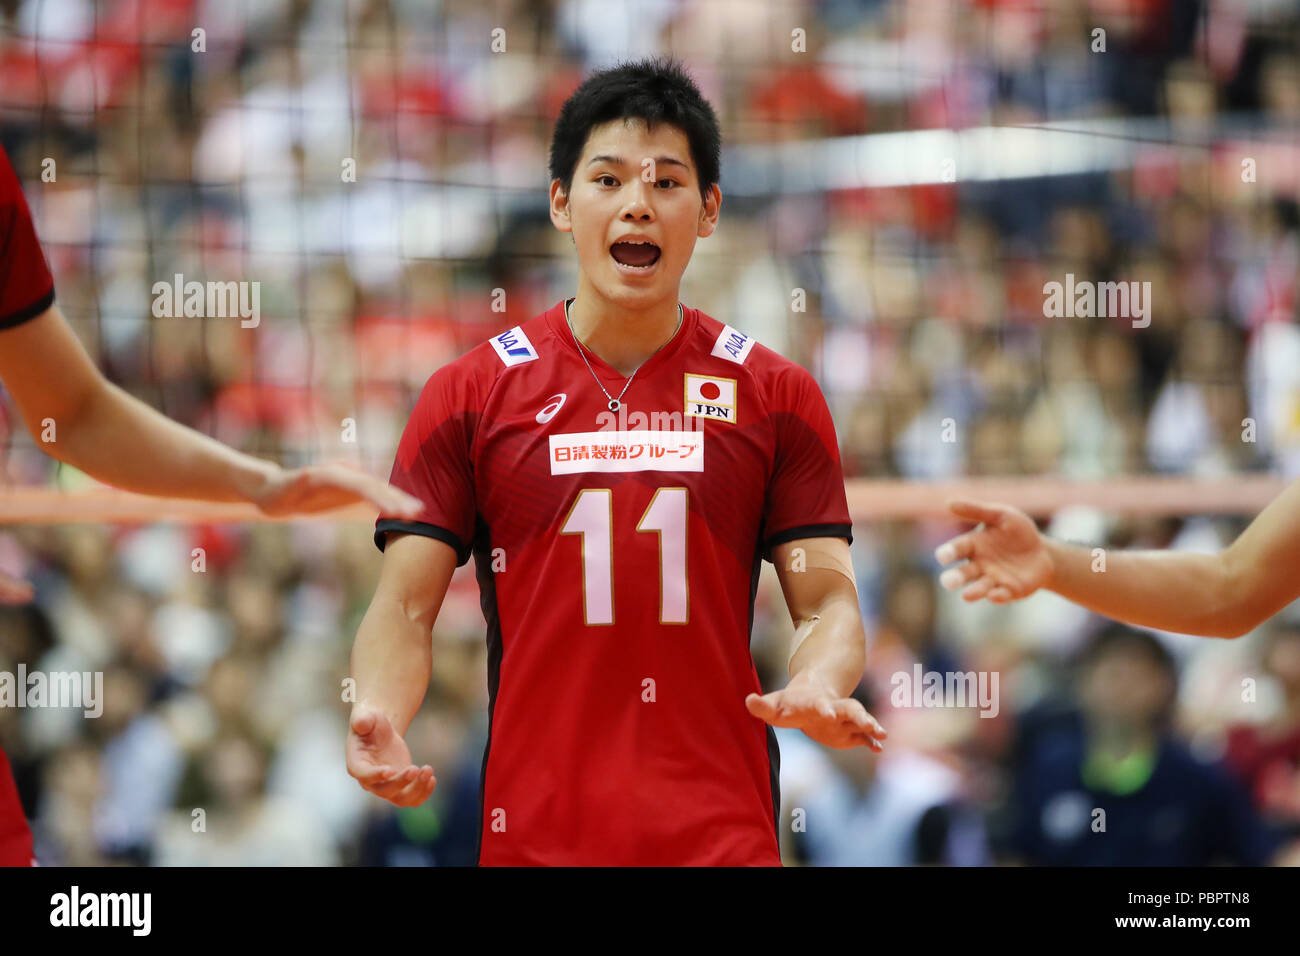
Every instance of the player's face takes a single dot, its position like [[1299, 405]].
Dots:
[[630, 180]]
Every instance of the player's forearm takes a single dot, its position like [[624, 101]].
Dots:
[[1169, 590], [835, 647], [83, 419], [392, 659], [123, 442]]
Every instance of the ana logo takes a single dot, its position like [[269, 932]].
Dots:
[[732, 345], [513, 347], [553, 405], [708, 396]]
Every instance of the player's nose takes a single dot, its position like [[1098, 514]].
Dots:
[[639, 202]]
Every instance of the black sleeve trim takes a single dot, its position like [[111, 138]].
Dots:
[[384, 525], [31, 312], [807, 531]]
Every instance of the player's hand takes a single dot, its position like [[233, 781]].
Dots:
[[379, 760], [14, 591], [1006, 558], [325, 487], [809, 704]]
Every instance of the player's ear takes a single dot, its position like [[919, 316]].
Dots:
[[560, 207], [709, 211]]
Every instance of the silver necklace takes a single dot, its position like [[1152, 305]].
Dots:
[[616, 403]]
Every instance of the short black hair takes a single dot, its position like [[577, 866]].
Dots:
[[1121, 639], [1118, 637], [655, 90]]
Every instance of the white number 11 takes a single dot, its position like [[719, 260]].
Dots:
[[592, 517]]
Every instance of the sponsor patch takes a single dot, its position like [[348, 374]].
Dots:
[[576, 453], [732, 345], [708, 396], [513, 347]]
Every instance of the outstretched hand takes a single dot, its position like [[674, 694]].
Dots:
[[325, 487], [1006, 558], [381, 762], [813, 707]]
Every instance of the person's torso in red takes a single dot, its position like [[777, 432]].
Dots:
[[617, 560], [26, 286]]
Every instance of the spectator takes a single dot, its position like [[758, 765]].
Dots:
[[1110, 785]]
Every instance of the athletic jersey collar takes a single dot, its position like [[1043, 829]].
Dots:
[[555, 319]]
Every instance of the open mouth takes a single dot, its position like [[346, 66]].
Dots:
[[635, 257]]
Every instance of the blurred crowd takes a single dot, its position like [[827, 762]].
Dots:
[[215, 140]]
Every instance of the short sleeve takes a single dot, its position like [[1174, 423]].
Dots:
[[26, 286], [805, 495], [433, 463]]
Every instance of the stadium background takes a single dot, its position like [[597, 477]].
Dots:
[[924, 303]]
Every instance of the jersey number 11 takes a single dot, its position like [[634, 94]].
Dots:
[[592, 517]]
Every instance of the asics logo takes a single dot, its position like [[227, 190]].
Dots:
[[553, 405]]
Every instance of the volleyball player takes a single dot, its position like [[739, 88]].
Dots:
[[618, 563]]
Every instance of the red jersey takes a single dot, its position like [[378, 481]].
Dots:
[[26, 286], [15, 835], [26, 290], [617, 557]]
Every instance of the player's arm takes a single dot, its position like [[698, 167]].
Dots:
[[1219, 595], [392, 659], [829, 654], [121, 441]]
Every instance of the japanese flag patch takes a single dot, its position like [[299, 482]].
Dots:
[[711, 397]]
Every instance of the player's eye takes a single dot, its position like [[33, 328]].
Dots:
[[603, 177], [671, 182]]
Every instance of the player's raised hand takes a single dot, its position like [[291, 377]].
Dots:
[[1006, 558], [324, 487], [14, 591], [381, 762], [813, 707]]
